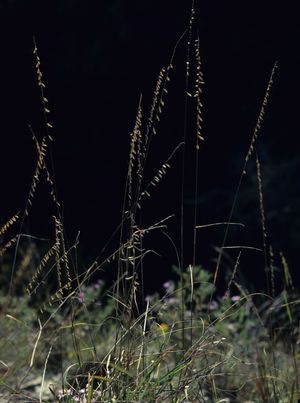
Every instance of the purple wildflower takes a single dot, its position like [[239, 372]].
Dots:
[[81, 296], [213, 305]]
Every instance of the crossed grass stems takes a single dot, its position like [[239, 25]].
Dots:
[[185, 358]]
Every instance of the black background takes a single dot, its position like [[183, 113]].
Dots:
[[97, 57]]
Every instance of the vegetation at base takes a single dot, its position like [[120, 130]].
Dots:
[[236, 347], [68, 336]]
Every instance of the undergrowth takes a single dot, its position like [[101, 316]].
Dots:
[[67, 336]]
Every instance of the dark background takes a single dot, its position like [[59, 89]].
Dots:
[[97, 57]]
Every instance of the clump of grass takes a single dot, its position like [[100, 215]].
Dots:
[[87, 341]]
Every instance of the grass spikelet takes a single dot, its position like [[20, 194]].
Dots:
[[59, 296], [162, 171], [262, 218], [261, 203], [261, 114], [272, 269], [57, 248], [158, 102], [42, 87], [40, 164], [248, 155], [61, 255], [236, 266], [135, 150], [8, 245], [156, 97], [64, 256], [139, 145], [198, 93], [287, 275], [48, 255], [190, 31], [199, 136], [9, 224]]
